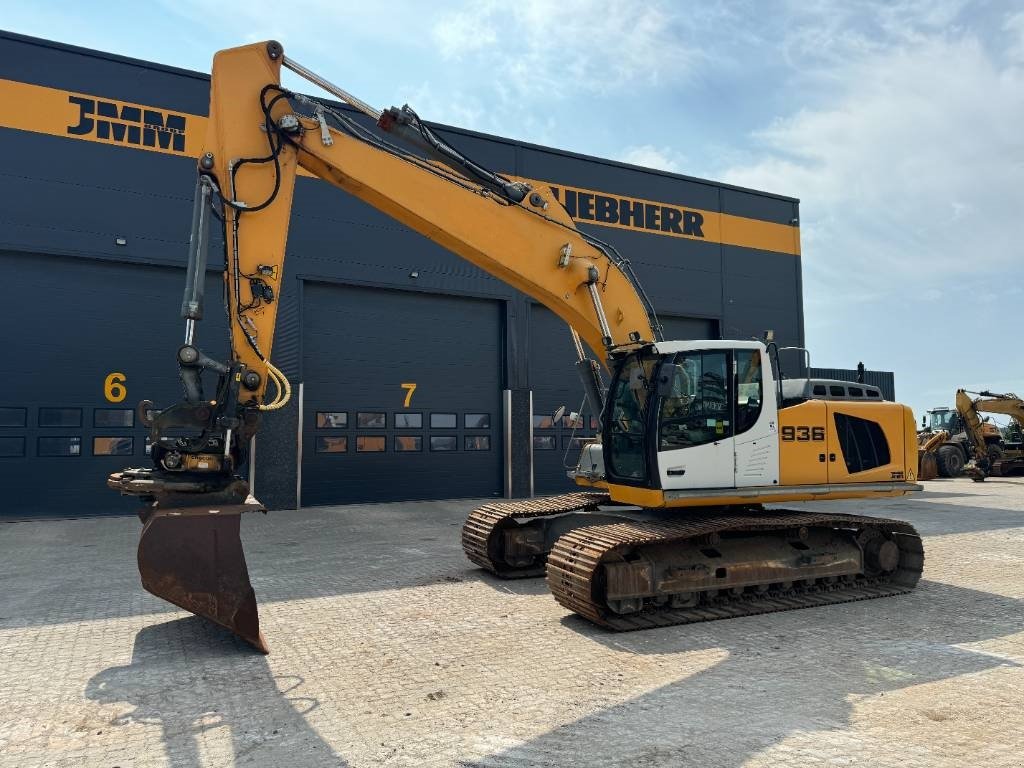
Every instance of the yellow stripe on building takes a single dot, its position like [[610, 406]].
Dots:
[[71, 115]]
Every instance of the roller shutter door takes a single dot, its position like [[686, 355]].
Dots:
[[72, 323], [554, 382], [402, 396]]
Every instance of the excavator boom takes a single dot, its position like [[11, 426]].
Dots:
[[260, 136]]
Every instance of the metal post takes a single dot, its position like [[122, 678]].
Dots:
[[506, 403], [531, 443], [298, 452]]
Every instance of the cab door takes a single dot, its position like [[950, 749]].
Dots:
[[695, 424], [755, 420]]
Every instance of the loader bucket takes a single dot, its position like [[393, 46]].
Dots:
[[927, 466], [192, 556]]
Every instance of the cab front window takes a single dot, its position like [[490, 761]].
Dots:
[[627, 418]]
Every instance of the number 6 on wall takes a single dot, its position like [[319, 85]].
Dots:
[[409, 388], [114, 389]]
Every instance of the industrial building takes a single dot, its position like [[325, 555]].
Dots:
[[99, 170]]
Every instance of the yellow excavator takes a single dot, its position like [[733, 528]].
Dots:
[[696, 436], [991, 455]]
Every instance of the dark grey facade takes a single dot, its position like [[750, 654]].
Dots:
[[92, 251]]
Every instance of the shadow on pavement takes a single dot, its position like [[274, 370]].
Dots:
[[197, 681], [780, 677]]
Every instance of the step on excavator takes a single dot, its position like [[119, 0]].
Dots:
[[669, 525]]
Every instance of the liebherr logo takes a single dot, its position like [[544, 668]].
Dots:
[[586, 205], [111, 121]]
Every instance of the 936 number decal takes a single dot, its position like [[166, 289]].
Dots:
[[803, 434]]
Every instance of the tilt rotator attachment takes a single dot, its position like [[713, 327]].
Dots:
[[190, 552]]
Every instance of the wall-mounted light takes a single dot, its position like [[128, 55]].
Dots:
[[414, 274], [120, 241]]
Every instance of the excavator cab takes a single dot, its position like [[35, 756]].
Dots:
[[687, 414]]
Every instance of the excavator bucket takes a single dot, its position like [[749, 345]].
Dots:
[[927, 450], [193, 557], [190, 552]]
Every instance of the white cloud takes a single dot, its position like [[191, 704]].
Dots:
[[580, 45], [649, 156], [907, 153], [1014, 26]]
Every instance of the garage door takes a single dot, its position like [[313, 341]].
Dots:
[[554, 381], [87, 340], [402, 396]]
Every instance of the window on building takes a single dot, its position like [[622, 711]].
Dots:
[[573, 423], [478, 442], [544, 442], [408, 443], [371, 444], [444, 443], [331, 443], [13, 417], [113, 417], [477, 420], [12, 447], [60, 417], [408, 420], [113, 446], [371, 420], [331, 419], [543, 421], [443, 421], [59, 446]]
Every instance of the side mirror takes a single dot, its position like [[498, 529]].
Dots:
[[924, 422]]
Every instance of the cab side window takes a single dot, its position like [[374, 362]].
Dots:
[[749, 388], [696, 410]]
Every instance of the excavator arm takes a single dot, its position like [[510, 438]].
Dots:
[[970, 409], [260, 136]]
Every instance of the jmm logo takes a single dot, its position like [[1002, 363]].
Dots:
[[131, 125], [636, 214]]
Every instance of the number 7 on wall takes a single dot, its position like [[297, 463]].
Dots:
[[409, 388]]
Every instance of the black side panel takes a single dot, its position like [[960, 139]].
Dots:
[[359, 347], [71, 324]]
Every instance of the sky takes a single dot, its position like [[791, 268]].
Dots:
[[899, 125]]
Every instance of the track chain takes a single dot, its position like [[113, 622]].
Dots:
[[574, 562], [483, 528]]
